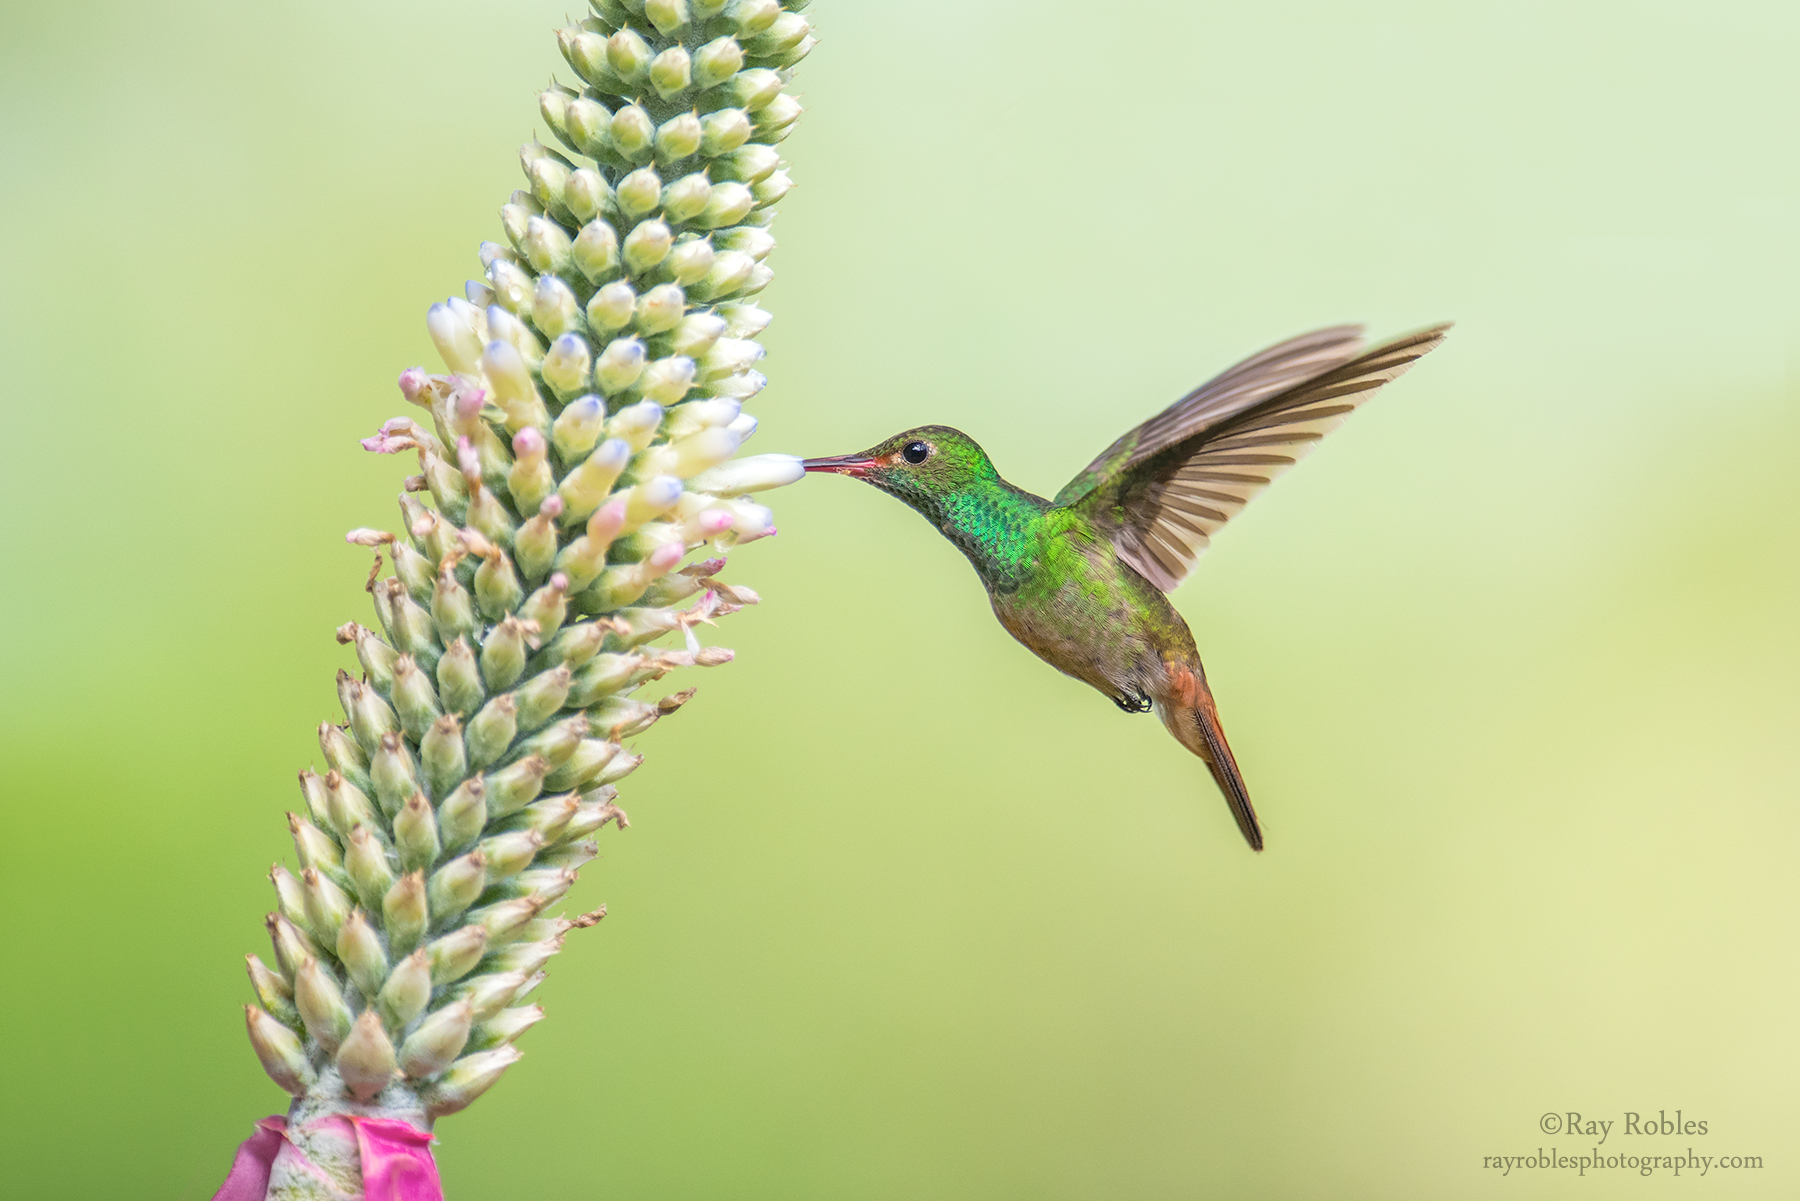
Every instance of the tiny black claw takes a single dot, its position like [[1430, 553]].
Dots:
[[1133, 702]]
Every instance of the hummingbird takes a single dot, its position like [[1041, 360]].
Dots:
[[1081, 580]]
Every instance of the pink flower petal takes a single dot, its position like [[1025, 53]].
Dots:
[[248, 1179], [396, 1161]]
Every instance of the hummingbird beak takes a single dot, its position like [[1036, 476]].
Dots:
[[851, 465]]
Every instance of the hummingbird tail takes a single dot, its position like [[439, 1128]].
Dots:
[[1193, 718]]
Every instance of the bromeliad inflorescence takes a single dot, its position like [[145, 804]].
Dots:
[[580, 447]]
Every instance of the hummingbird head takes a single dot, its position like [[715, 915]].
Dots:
[[921, 466]]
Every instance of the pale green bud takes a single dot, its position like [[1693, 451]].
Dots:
[[757, 243], [497, 587], [728, 356], [321, 1005], [535, 545], [511, 853], [551, 815], [744, 320], [786, 59], [747, 164], [414, 697], [506, 921], [342, 755], [553, 104], [529, 479], [760, 277], [549, 174], [622, 717], [289, 897], [730, 270], [282, 1055], [515, 786], [459, 680], [617, 368], [545, 886], [679, 137], [639, 192], [696, 332], [750, 90], [586, 487], [659, 309], [687, 197], [407, 991], [492, 730], [754, 473], [350, 807], [455, 954], [772, 189], [566, 367], [611, 307], [512, 386], [366, 863], [415, 833], [547, 607], [503, 654], [293, 946], [391, 771], [574, 645], [359, 949], [776, 118], [442, 755], [463, 815], [456, 342], [669, 72], [724, 131], [586, 52], [276, 994], [717, 61], [505, 1026], [752, 17], [636, 424], [467, 1079], [729, 203], [546, 247], [326, 905], [404, 912], [647, 245], [314, 847], [628, 54], [596, 252], [589, 758], [415, 634], [669, 16], [587, 122], [513, 288], [541, 697], [491, 992], [554, 308], [785, 32], [632, 134], [580, 561], [666, 381], [457, 885], [586, 194], [417, 573], [578, 426], [697, 415], [366, 1060], [438, 1040]]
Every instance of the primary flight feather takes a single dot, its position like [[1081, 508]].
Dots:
[[1080, 580]]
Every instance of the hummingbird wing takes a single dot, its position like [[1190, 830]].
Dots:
[[1161, 508], [1230, 392]]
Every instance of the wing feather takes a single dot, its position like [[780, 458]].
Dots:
[[1230, 392], [1162, 509]]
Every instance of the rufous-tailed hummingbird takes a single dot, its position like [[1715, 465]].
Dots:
[[1080, 580]]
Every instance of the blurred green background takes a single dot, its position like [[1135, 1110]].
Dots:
[[1510, 664]]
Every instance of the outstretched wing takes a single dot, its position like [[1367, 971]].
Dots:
[[1162, 509], [1231, 392]]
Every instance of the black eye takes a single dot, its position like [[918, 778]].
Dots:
[[915, 452]]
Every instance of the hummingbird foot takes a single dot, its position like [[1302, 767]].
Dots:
[[1133, 702]]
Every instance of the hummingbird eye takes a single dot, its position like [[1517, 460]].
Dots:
[[915, 452]]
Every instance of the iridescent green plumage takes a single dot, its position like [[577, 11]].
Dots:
[[1080, 580]]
